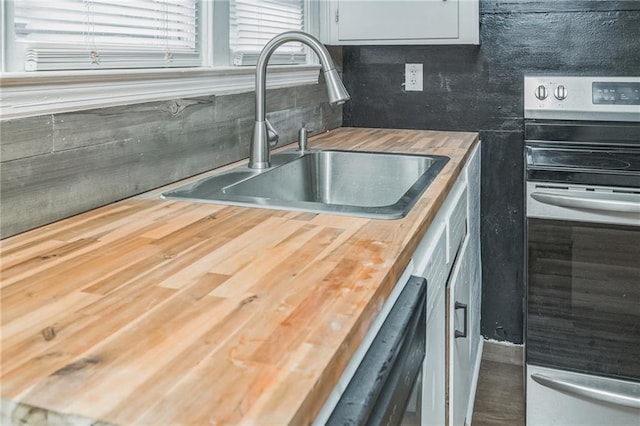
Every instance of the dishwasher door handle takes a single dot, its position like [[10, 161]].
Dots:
[[605, 395], [614, 202]]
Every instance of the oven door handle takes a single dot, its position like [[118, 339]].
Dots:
[[605, 395], [604, 202]]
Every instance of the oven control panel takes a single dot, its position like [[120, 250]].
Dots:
[[555, 97], [616, 93]]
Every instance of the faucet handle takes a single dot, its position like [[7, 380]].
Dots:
[[272, 135]]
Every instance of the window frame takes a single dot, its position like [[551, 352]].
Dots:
[[25, 94]]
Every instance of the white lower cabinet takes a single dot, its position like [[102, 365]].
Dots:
[[448, 257]]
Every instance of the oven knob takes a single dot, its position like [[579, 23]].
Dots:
[[560, 93], [541, 92]]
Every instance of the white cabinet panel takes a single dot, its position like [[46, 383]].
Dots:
[[397, 20]]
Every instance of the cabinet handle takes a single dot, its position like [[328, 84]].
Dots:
[[462, 306]]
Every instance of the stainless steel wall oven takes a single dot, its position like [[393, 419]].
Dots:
[[582, 153]]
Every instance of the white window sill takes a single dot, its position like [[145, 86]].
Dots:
[[30, 94]]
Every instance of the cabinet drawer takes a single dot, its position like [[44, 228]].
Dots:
[[436, 252], [457, 224], [428, 243]]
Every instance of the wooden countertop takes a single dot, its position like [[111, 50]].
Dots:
[[158, 312]]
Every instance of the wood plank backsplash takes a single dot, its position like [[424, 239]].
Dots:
[[56, 166]]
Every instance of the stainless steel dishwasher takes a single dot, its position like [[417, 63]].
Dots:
[[385, 389]]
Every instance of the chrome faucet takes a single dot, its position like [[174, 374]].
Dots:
[[264, 135]]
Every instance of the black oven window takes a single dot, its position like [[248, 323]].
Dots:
[[584, 297]]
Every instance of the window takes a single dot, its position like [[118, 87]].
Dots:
[[83, 54], [48, 35], [253, 23], [106, 34]]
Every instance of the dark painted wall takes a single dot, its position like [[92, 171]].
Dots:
[[479, 88]]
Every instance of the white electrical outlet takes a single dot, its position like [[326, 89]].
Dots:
[[413, 77]]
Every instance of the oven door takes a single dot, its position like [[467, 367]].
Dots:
[[583, 306], [583, 285]]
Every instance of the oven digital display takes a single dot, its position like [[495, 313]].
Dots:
[[616, 93]]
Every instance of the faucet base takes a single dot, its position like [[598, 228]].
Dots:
[[259, 165], [259, 150]]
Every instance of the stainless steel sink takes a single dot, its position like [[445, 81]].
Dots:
[[354, 183]]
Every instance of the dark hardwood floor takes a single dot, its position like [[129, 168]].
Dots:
[[500, 392]]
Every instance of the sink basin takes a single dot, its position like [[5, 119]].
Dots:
[[354, 183]]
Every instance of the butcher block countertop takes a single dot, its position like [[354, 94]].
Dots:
[[157, 312]]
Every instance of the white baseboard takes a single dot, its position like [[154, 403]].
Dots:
[[474, 384]]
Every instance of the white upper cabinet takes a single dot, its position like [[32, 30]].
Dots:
[[371, 22]]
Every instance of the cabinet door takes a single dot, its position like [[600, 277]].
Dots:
[[459, 337], [475, 265], [398, 20]]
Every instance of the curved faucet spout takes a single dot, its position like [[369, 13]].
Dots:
[[259, 150]]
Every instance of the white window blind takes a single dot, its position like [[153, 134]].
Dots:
[[105, 34], [253, 23]]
